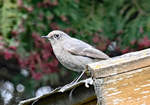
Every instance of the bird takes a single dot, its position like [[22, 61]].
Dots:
[[72, 53]]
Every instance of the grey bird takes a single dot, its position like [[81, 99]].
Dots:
[[72, 53]]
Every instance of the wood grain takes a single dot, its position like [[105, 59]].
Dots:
[[131, 88]]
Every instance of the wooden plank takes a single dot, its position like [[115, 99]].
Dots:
[[130, 88], [121, 64]]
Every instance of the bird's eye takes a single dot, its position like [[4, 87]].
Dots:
[[56, 35]]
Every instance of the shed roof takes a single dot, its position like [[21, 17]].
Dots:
[[81, 93]]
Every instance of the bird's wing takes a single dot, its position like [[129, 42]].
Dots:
[[78, 47]]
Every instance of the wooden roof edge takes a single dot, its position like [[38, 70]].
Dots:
[[87, 82], [120, 64]]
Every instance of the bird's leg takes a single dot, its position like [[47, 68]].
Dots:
[[73, 82], [77, 79]]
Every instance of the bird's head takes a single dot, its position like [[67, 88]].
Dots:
[[56, 35]]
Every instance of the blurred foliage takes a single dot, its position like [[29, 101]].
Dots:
[[98, 22]]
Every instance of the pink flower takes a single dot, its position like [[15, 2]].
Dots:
[[141, 30], [30, 9], [63, 18], [96, 39], [55, 3], [19, 3], [46, 54], [36, 76], [22, 63]]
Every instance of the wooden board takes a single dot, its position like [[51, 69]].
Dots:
[[123, 80], [120, 64], [130, 88]]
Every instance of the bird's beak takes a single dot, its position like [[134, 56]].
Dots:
[[45, 37]]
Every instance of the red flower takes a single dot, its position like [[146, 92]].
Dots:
[[8, 55], [22, 63], [125, 50], [96, 39], [12, 47], [54, 26], [37, 76], [14, 32], [54, 63], [145, 42], [46, 54], [32, 65], [133, 42]]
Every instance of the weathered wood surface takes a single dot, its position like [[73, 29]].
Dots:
[[123, 80], [120, 64], [130, 88]]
